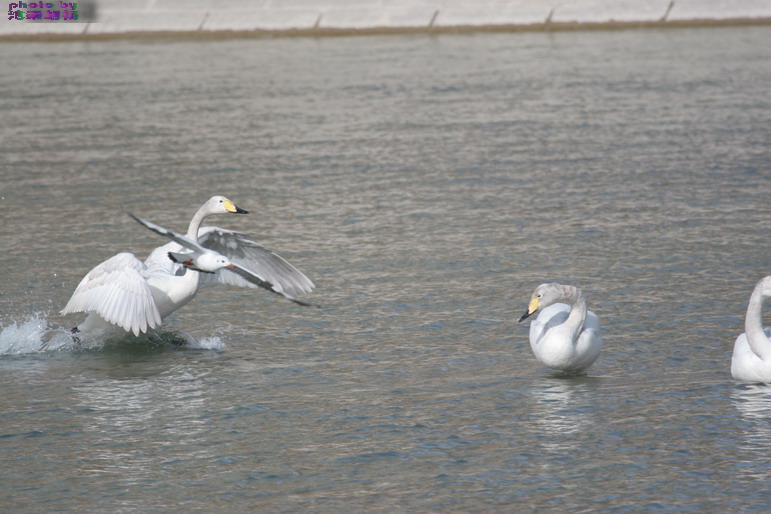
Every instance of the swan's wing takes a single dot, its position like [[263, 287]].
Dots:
[[253, 278], [592, 321], [551, 316], [268, 265], [117, 290], [174, 236], [589, 343], [158, 261]]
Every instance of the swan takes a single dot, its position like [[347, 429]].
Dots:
[[751, 360], [565, 335], [206, 260], [136, 296]]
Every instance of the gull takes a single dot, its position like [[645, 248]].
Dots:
[[206, 260]]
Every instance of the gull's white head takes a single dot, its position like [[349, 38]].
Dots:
[[212, 262]]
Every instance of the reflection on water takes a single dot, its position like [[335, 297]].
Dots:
[[122, 409], [754, 404], [562, 410]]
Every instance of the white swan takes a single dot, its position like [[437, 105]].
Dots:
[[751, 360], [564, 336], [206, 260], [135, 296]]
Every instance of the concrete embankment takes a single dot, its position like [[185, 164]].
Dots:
[[223, 18]]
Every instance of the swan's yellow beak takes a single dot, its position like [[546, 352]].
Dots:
[[231, 207], [531, 308]]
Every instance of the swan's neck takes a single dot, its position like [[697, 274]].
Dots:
[[575, 321], [753, 326], [195, 223]]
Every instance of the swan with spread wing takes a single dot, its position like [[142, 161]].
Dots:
[[136, 296]]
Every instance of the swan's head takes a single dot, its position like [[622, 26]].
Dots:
[[222, 205], [549, 294]]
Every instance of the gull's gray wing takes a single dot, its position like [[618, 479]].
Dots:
[[255, 259], [174, 236], [253, 278]]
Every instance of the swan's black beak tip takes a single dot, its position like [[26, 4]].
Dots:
[[239, 210], [523, 317]]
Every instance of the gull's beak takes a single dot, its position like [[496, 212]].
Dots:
[[232, 208], [530, 310]]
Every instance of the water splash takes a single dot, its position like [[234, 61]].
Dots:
[[34, 335], [207, 343], [176, 338]]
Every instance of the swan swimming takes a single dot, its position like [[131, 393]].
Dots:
[[206, 260], [565, 335], [136, 296], [751, 360]]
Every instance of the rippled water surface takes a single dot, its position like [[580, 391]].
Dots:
[[427, 185]]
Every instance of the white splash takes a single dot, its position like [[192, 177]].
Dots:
[[207, 343], [34, 335], [180, 337]]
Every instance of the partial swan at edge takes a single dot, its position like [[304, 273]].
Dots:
[[751, 359]]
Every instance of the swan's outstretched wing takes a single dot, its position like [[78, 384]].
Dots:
[[158, 261], [117, 290], [258, 260]]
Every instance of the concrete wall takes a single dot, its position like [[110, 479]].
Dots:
[[320, 16]]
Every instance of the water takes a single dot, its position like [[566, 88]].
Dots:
[[427, 185]]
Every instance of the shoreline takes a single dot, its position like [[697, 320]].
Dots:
[[318, 32]]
